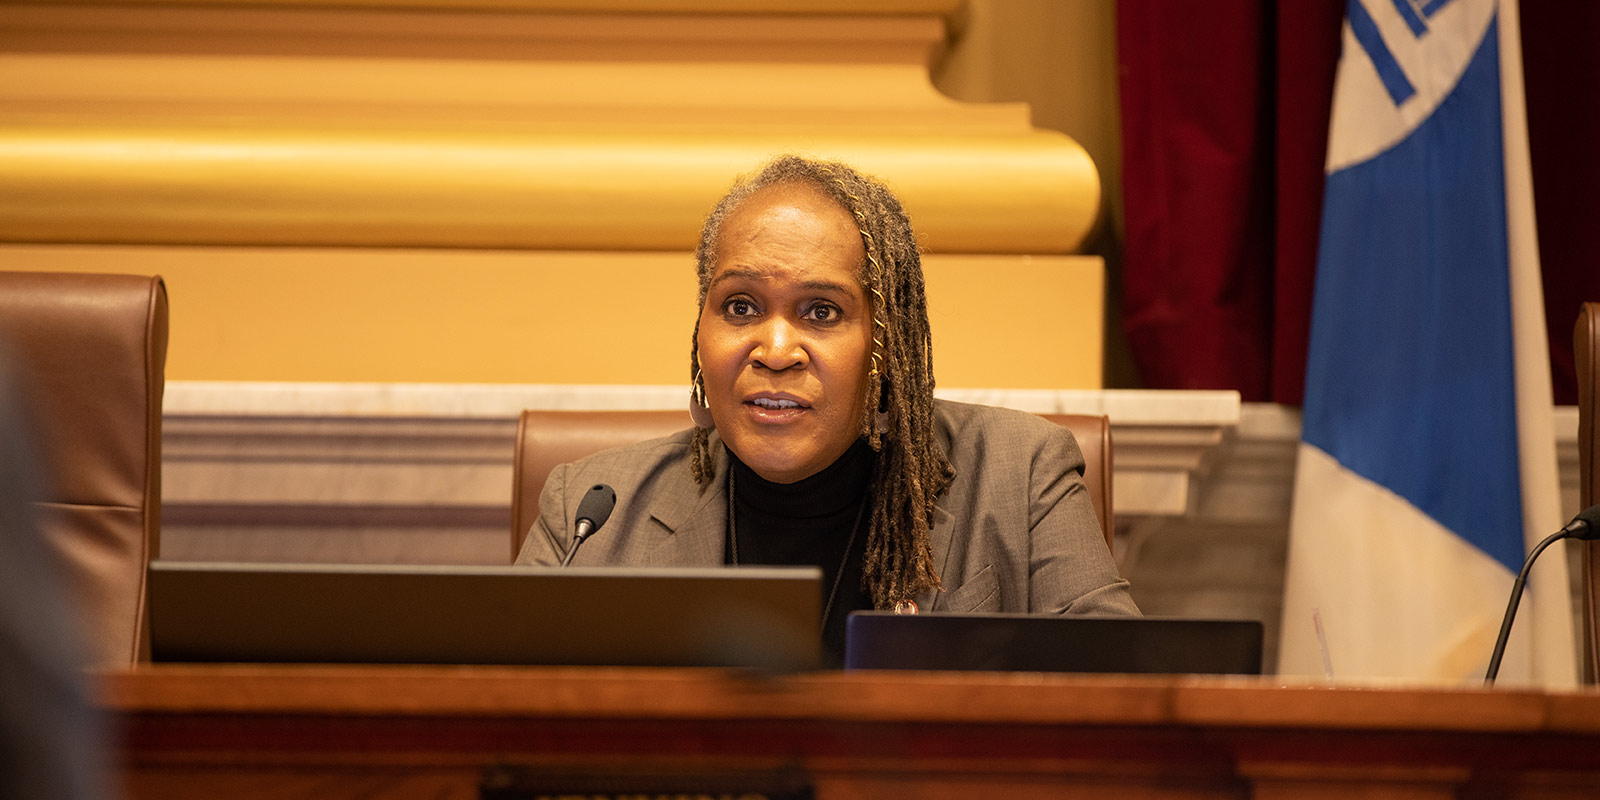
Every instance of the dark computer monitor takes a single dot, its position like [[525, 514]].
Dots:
[[759, 617]]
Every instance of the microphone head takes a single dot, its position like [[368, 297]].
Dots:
[[1586, 525], [596, 506]]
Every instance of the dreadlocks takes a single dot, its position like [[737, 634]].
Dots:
[[912, 469]]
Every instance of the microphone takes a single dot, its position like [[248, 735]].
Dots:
[[1585, 526], [593, 511]]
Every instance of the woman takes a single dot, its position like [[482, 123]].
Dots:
[[817, 440]]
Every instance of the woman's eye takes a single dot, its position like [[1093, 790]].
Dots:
[[739, 307], [822, 312]]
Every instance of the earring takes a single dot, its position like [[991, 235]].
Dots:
[[699, 409]]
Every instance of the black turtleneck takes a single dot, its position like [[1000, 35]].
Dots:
[[808, 523]]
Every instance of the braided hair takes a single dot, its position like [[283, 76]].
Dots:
[[912, 469]]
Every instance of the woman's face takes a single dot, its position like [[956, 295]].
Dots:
[[786, 333]]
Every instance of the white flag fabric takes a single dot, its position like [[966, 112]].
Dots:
[[1427, 463]]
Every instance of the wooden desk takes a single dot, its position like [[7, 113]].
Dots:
[[445, 732]]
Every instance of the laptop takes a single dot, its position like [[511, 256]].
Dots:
[[766, 618], [1052, 643]]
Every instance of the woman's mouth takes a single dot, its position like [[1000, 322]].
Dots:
[[776, 409], [774, 402]]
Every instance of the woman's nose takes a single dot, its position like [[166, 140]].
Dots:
[[778, 345]]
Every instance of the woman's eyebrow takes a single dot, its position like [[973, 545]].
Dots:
[[827, 287], [735, 273]]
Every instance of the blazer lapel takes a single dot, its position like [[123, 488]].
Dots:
[[940, 534], [693, 519]]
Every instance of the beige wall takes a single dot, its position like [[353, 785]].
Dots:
[[523, 316], [401, 191], [1059, 57]]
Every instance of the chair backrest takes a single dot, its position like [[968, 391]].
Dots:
[[548, 438], [90, 354], [1586, 355], [1093, 432]]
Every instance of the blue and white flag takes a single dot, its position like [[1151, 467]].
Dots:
[[1427, 462]]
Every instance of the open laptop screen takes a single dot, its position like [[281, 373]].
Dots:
[[1052, 643]]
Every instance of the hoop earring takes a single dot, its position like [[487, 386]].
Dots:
[[699, 409]]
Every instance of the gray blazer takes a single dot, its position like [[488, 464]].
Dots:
[[1016, 531]]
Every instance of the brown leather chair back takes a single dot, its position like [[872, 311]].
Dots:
[[548, 438], [1586, 357], [1093, 432], [90, 354]]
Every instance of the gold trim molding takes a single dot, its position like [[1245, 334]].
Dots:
[[1030, 192], [520, 125]]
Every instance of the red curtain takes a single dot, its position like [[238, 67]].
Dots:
[[1225, 110], [1561, 75]]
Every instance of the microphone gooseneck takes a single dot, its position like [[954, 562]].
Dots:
[[593, 511], [1585, 526]]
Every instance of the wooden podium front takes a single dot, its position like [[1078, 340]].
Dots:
[[497, 732]]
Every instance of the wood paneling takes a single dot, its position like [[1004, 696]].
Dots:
[[430, 732]]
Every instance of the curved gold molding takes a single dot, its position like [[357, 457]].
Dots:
[[1023, 192]]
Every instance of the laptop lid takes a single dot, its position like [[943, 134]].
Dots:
[[1052, 643], [760, 617]]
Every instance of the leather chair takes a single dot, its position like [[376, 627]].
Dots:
[[89, 353], [1586, 357], [548, 438]]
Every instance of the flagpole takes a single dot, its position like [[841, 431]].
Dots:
[[1549, 630]]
